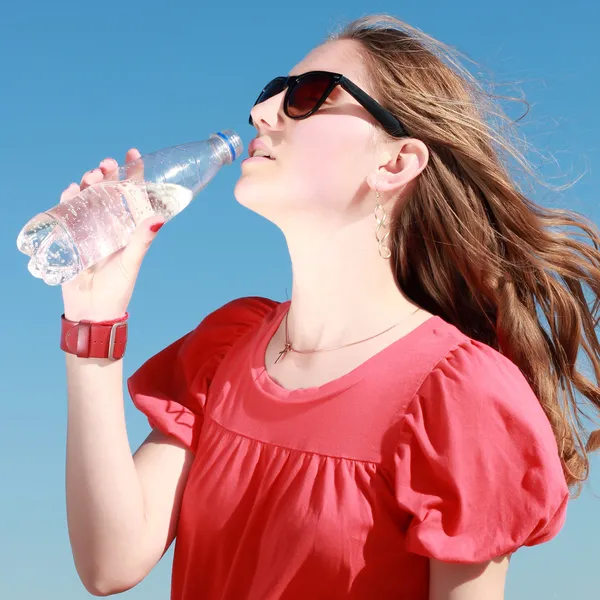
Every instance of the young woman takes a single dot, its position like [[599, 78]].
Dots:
[[408, 420]]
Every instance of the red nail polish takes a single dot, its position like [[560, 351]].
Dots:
[[154, 228]]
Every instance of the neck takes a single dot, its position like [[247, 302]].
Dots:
[[342, 289]]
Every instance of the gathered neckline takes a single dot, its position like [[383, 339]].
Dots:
[[275, 390]]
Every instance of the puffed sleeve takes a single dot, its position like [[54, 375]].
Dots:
[[477, 464], [171, 387]]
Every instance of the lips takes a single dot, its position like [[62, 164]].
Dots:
[[258, 149]]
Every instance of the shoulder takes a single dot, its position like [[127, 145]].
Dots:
[[231, 321], [476, 461], [247, 311], [476, 405], [207, 343], [458, 352], [473, 378], [171, 386]]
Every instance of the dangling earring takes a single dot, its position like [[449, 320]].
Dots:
[[382, 232]]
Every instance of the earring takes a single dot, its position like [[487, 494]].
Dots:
[[382, 232]]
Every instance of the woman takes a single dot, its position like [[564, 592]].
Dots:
[[407, 421]]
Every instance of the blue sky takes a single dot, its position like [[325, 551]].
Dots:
[[82, 81]]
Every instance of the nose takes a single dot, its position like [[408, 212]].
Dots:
[[268, 114]]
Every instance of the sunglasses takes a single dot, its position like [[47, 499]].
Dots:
[[306, 93]]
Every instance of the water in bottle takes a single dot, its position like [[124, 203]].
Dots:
[[100, 220]]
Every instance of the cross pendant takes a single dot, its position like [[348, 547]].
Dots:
[[285, 350]]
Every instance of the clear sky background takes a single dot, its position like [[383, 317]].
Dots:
[[84, 80]]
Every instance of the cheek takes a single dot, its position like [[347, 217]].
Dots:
[[325, 163], [331, 150]]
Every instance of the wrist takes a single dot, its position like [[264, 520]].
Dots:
[[105, 339], [94, 316]]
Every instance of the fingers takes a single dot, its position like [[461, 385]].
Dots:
[[134, 166], [133, 254], [109, 168], [71, 191], [132, 154], [90, 178], [107, 171]]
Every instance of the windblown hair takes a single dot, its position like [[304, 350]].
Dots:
[[469, 246]]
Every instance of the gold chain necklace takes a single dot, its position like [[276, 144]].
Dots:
[[289, 348]]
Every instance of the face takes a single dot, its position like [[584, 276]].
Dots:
[[321, 163]]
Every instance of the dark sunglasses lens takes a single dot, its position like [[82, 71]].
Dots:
[[306, 94], [272, 89]]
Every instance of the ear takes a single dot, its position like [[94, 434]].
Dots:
[[402, 162]]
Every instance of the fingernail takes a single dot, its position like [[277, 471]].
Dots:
[[154, 228]]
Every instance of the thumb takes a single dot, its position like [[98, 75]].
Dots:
[[142, 237]]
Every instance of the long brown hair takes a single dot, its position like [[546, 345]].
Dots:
[[469, 246]]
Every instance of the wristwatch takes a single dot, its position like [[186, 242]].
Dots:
[[94, 339]]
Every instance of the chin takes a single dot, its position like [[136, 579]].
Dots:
[[268, 201], [256, 197]]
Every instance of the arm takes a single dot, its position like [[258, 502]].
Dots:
[[122, 510], [453, 581]]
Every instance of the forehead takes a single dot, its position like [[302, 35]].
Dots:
[[339, 56]]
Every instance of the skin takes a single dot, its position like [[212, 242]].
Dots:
[[327, 220], [320, 191]]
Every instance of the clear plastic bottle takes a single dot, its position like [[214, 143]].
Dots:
[[78, 233]]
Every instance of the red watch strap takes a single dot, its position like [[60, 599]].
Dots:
[[89, 339]]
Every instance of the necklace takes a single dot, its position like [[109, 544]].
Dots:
[[289, 348]]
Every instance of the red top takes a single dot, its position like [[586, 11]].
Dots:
[[434, 447]]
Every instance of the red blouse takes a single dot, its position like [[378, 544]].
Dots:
[[434, 447]]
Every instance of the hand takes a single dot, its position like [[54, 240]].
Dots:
[[103, 291]]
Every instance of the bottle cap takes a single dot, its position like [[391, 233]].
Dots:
[[233, 141]]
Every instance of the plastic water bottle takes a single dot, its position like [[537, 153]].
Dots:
[[78, 233]]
